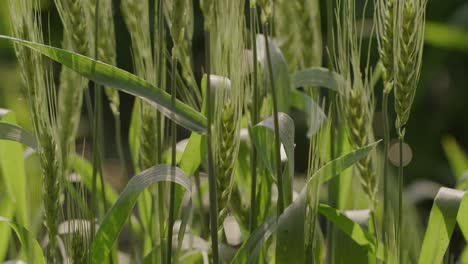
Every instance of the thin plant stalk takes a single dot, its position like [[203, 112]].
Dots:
[[200, 202], [401, 137], [386, 203], [211, 169], [279, 178], [173, 163], [253, 153], [97, 159], [333, 183], [159, 118]]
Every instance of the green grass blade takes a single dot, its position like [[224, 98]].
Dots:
[[348, 226], [446, 36], [462, 216], [195, 150], [280, 71], [444, 214], [457, 157], [286, 131], [464, 255], [326, 172], [7, 210], [15, 133], [26, 239], [134, 135], [12, 164], [314, 113], [291, 219], [115, 219], [317, 76], [111, 76]]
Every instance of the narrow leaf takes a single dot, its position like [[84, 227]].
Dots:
[[111, 76], [12, 164], [26, 239], [317, 76], [280, 70], [286, 134], [15, 133], [444, 214], [348, 226], [457, 157], [116, 217], [314, 112], [249, 251]]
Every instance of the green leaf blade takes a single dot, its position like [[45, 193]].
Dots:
[[111, 76]]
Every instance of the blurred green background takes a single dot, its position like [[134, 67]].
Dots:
[[439, 109]]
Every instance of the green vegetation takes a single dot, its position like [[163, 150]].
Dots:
[[231, 192]]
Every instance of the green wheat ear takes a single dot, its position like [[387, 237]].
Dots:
[[385, 13], [357, 99], [226, 159], [357, 116], [39, 90], [77, 38], [408, 59]]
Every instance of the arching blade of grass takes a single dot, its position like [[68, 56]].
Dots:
[[260, 138], [449, 206], [348, 226], [457, 157], [15, 133], [196, 148], [111, 76], [314, 113], [26, 239], [12, 163], [294, 214], [117, 216], [317, 76], [280, 70], [7, 210]]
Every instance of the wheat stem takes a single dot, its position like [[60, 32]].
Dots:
[[173, 163], [400, 196], [253, 153], [211, 169], [386, 204], [279, 177]]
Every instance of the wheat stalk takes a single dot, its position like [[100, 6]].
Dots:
[[385, 14], [408, 57], [40, 93], [77, 38]]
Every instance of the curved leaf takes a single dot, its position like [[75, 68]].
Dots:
[[15, 133], [449, 206], [348, 226], [7, 210], [26, 239], [293, 215], [280, 70], [262, 142], [457, 157], [12, 166], [111, 76], [116, 217], [317, 76], [314, 112]]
